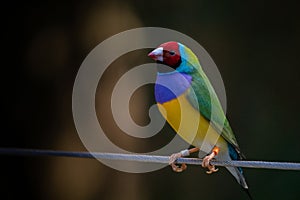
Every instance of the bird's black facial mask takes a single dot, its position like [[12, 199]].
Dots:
[[163, 68]]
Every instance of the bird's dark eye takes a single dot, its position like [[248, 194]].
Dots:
[[172, 53]]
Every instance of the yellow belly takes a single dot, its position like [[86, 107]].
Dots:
[[190, 125]]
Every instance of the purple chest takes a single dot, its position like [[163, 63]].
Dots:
[[169, 86]]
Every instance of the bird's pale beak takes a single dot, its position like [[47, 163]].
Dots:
[[157, 54]]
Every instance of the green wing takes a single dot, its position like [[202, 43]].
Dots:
[[206, 97]]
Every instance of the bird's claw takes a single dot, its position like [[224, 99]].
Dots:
[[211, 169], [175, 167], [206, 164]]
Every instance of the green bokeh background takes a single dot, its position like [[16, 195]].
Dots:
[[255, 45]]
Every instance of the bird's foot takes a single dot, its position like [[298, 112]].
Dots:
[[172, 161], [175, 156], [207, 159]]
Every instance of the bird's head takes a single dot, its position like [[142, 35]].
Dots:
[[167, 53], [176, 56]]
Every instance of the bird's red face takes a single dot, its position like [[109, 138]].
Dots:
[[167, 53]]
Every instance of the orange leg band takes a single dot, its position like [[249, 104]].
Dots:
[[216, 150]]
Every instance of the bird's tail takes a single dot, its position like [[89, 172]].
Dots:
[[241, 178], [237, 172], [248, 193]]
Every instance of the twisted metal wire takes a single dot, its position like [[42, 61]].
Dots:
[[150, 158]]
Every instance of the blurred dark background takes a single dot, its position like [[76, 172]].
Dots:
[[255, 45]]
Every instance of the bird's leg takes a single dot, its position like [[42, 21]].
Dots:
[[207, 159], [183, 153]]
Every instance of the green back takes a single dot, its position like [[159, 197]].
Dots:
[[206, 97], [208, 100]]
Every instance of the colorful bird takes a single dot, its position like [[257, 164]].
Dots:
[[184, 95]]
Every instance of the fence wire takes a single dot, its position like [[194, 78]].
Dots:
[[150, 158]]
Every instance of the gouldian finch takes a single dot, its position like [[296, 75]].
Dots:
[[174, 97]]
